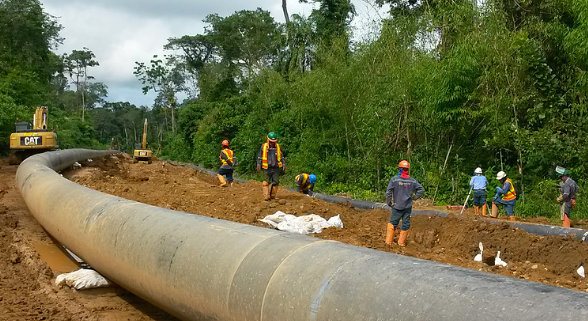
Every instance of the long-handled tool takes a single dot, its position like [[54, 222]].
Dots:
[[466, 202]]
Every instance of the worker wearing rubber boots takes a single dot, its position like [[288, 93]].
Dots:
[[568, 191], [478, 182], [505, 195], [271, 160], [402, 190], [225, 172], [305, 183]]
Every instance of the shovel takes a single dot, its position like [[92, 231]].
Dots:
[[466, 202]]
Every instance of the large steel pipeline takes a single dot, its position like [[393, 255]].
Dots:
[[200, 268]]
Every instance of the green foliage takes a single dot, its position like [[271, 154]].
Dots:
[[27, 35], [447, 85], [72, 132], [245, 38]]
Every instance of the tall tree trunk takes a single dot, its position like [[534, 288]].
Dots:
[[173, 114], [442, 172], [84, 93], [126, 139], [83, 103], [285, 9]]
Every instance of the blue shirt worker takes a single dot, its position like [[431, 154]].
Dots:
[[478, 182], [505, 195], [567, 197], [305, 183], [227, 167], [401, 191]]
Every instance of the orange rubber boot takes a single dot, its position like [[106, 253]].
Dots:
[[485, 209], [402, 238], [222, 180], [274, 191], [266, 193], [390, 234], [512, 218], [566, 221], [494, 210], [477, 210]]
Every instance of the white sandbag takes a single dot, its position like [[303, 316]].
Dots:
[[305, 224], [83, 279], [275, 219], [335, 221]]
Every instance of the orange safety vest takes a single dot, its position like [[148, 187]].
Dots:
[[304, 179], [511, 194], [229, 154], [264, 155]]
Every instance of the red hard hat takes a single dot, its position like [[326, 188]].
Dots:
[[403, 164], [225, 143]]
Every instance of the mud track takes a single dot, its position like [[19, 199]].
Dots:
[[26, 280]]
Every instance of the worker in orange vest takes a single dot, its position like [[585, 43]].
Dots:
[[305, 183], [505, 195], [271, 160], [227, 167]]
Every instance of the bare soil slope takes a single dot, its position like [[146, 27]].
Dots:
[[453, 240]]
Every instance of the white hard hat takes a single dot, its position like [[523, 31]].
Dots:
[[478, 171], [500, 175]]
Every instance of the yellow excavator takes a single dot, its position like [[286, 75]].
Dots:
[[142, 153], [31, 139]]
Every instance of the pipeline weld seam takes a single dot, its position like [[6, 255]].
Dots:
[[318, 298], [278, 267], [120, 229], [171, 260], [253, 247]]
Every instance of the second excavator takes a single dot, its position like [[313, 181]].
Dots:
[[142, 153]]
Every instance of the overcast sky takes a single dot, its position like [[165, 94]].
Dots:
[[120, 32]]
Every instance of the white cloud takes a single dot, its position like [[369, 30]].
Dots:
[[121, 32]]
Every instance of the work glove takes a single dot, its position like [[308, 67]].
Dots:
[[284, 168], [560, 198], [258, 168]]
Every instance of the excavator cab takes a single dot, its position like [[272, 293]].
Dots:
[[30, 139], [22, 127]]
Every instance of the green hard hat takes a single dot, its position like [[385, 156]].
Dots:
[[272, 136], [561, 171]]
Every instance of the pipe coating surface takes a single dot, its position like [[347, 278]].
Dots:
[[200, 268]]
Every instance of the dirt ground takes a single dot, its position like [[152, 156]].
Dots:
[[26, 280], [27, 290]]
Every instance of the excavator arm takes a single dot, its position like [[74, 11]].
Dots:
[[144, 142], [144, 154]]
